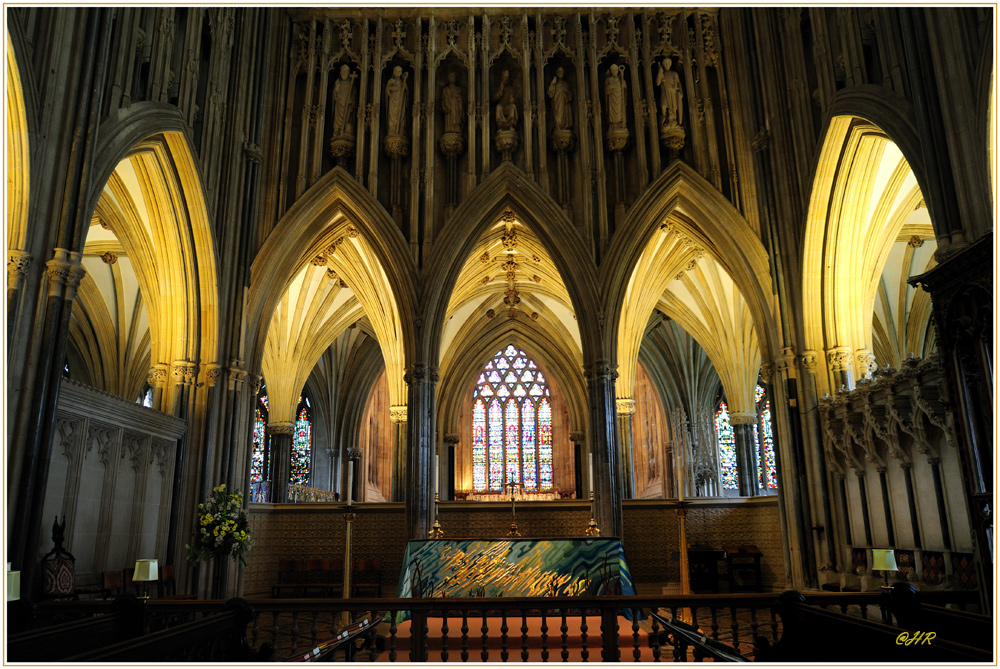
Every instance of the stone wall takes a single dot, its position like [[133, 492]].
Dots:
[[317, 530], [111, 478]]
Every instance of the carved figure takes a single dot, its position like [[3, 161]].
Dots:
[[671, 94], [452, 105], [614, 90], [396, 92], [343, 102], [562, 99], [506, 100]]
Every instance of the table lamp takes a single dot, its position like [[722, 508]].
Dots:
[[145, 571], [884, 559], [13, 584]]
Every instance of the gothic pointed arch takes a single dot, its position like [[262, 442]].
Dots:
[[867, 228], [679, 222], [338, 227], [150, 214], [508, 188]]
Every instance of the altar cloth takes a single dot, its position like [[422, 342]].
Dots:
[[514, 568]]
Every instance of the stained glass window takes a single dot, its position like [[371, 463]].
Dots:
[[258, 459], [301, 449], [512, 435], [769, 468], [727, 447]]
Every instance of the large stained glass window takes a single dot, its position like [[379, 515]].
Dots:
[[727, 447], [301, 448], [258, 459], [511, 425]]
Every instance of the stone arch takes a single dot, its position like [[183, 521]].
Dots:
[[509, 187], [862, 195], [336, 209], [168, 237], [681, 201], [18, 153]]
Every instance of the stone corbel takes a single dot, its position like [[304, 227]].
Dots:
[[626, 407], [18, 263], [157, 375], [397, 414], [213, 374], [183, 372], [742, 418]]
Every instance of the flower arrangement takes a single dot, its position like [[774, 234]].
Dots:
[[223, 528]]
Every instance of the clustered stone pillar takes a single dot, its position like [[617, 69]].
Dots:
[[397, 414], [746, 468], [422, 381], [354, 494], [626, 410], [601, 377], [281, 459]]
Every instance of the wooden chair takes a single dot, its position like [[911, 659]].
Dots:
[[289, 578], [111, 584], [367, 577]]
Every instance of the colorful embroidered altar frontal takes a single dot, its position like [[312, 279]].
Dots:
[[514, 568]]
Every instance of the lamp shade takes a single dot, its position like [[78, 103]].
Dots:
[[146, 570], [13, 584], [884, 559]]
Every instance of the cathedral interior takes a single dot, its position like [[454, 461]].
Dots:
[[716, 276]]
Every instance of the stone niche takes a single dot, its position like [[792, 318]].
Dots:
[[111, 478]]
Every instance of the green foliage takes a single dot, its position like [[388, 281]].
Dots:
[[223, 528]]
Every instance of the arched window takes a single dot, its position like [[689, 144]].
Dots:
[[511, 425], [727, 447], [259, 456], [767, 476], [302, 445]]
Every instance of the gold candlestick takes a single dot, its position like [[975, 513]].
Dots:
[[513, 511], [592, 529], [436, 531]]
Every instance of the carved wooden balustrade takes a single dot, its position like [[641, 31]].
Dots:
[[302, 493]]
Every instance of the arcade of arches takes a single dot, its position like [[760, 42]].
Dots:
[[736, 260]]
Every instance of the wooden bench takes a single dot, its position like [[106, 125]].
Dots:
[[911, 613], [811, 633], [219, 637], [318, 577], [58, 642]]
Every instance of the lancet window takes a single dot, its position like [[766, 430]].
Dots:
[[302, 445]]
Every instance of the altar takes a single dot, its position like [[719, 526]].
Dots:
[[514, 568]]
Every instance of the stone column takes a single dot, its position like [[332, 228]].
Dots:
[[911, 502], [886, 505], [746, 460], [18, 263], [422, 381], [935, 463], [280, 466], [601, 377], [354, 455], [863, 492], [626, 409], [397, 414]]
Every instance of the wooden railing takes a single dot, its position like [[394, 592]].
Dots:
[[542, 629]]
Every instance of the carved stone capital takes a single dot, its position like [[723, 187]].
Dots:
[[213, 373], [64, 269], [625, 407], [577, 436], [602, 370], [451, 438], [281, 427], [397, 414], [183, 371], [809, 360], [255, 382], [766, 371], [157, 375], [838, 359], [18, 263], [419, 372], [864, 363], [354, 454], [742, 418]]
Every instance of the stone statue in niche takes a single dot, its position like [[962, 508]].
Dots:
[[671, 108], [343, 99], [396, 94], [671, 95], [614, 91], [562, 101], [452, 105], [506, 99], [507, 139]]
